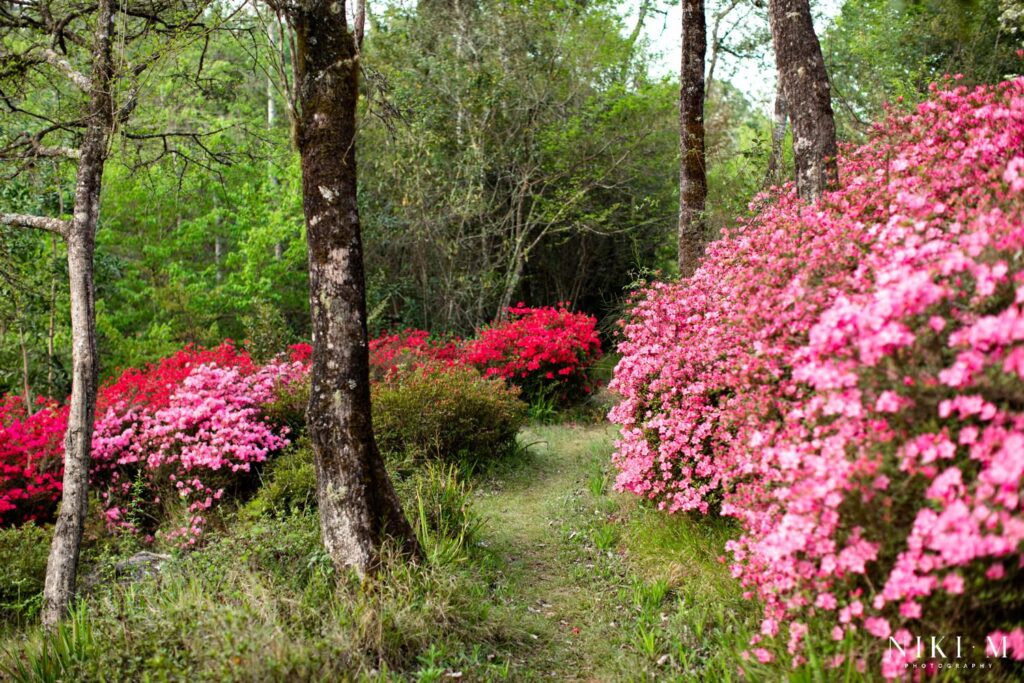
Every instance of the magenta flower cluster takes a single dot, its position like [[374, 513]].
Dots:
[[846, 379], [210, 432], [191, 443]]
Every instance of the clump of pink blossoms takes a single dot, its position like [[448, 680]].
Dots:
[[847, 380], [193, 444]]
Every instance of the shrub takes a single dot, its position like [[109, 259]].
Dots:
[[192, 445], [446, 413], [30, 460], [846, 378], [392, 354], [287, 404], [289, 483], [23, 553], [544, 351]]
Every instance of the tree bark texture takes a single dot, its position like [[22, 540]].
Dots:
[[806, 89], [358, 506], [62, 566], [693, 184]]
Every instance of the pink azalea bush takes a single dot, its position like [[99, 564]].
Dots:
[[847, 380], [208, 432]]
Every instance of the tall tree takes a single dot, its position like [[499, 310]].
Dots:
[[359, 510], [64, 96], [97, 124], [693, 183], [806, 89]]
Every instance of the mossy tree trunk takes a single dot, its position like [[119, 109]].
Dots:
[[693, 184], [807, 94], [359, 510]]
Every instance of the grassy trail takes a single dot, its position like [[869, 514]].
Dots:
[[555, 582], [608, 590]]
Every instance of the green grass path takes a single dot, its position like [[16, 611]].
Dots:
[[544, 522]]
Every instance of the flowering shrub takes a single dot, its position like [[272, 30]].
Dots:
[[30, 460], [188, 427], [391, 354], [544, 351], [153, 385], [847, 380]]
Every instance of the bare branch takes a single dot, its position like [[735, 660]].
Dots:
[[20, 220], [77, 77]]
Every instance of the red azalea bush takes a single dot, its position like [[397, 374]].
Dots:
[[390, 354], [545, 351], [31, 450], [847, 380]]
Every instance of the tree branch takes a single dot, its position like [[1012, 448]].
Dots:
[[77, 77], [20, 220]]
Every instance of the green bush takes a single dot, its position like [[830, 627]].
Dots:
[[23, 552], [450, 413], [289, 483], [288, 408]]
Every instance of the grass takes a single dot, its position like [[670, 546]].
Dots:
[[536, 570]]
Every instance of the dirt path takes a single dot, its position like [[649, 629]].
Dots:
[[548, 524]]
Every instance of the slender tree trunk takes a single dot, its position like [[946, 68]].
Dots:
[[512, 280], [51, 330], [26, 385], [773, 175], [806, 89], [693, 184], [358, 505], [271, 122], [62, 566]]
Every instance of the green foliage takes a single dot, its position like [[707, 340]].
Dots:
[[23, 553], [446, 524], [263, 602], [543, 409], [56, 656], [450, 414], [523, 155], [289, 406], [882, 50], [289, 484], [266, 331]]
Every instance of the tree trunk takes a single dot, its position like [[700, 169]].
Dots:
[[358, 506], [693, 184], [26, 385], [271, 122], [773, 175], [62, 566], [806, 89]]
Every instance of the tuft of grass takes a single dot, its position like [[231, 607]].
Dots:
[[447, 526], [52, 656]]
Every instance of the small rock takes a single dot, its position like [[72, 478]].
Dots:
[[141, 565]]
